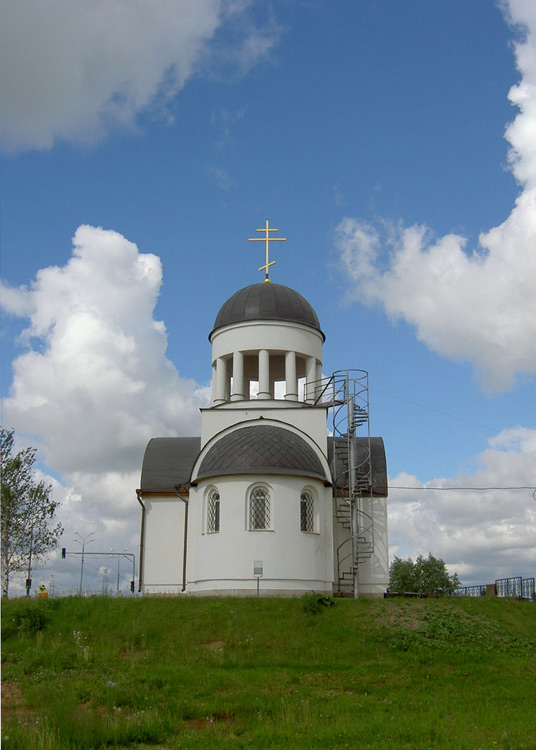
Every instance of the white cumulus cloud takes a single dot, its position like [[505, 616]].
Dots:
[[93, 384], [483, 531], [478, 307], [94, 381], [72, 70]]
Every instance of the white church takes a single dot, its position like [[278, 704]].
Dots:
[[285, 491]]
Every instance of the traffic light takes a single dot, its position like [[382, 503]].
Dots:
[[28, 584], [63, 550], [132, 586]]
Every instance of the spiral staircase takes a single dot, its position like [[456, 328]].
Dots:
[[345, 394]]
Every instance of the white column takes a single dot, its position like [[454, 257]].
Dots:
[[238, 377], [291, 380], [221, 377], [264, 374], [310, 377], [213, 382], [318, 379]]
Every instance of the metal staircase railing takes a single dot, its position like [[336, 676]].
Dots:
[[346, 394]]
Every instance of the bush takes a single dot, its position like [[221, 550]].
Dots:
[[28, 617], [313, 602]]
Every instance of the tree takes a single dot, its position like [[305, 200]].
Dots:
[[424, 576], [402, 578], [27, 512]]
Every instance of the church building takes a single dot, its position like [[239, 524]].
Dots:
[[284, 491]]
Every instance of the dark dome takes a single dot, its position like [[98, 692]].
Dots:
[[261, 449], [266, 301]]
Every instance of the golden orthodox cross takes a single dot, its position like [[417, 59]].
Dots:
[[267, 229]]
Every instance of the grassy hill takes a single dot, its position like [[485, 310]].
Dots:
[[201, 673]]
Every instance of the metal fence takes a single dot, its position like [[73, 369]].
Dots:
[[509, 587], [471, 591], [516, 587], [527, 589]]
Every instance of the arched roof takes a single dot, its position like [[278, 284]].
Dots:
[[167, 463], [369, 455], [261, 449], [266, 301]]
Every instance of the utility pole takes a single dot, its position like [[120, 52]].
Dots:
[[105, 582], [119, 555], [29, 579], [82, 541]]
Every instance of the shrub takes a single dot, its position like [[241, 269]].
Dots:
[[28, 617], [313, 602]]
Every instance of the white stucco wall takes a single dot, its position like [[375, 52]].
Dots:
[[163, 544], [308, 420], [272, 335], [293, 561], [374, 570]]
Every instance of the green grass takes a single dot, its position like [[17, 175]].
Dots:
[[256, 673]]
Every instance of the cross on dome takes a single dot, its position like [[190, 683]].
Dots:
[[267, 229]]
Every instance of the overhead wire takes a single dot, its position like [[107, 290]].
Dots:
[[458, 489], [459, 419], [444, 413]]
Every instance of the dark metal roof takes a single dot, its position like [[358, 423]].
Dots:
[[266, 301], [339, 463], [261, 449], [168, 463]]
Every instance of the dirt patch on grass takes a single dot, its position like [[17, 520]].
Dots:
[[207, 722], [13, 703], [214, 645], [88, 708], [134, 655]]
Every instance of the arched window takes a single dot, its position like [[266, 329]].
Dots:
[[307, 512], [259, 509], [213, 512]]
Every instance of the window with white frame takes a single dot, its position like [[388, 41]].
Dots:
[[259, 509], [213, 512], [307, 512]]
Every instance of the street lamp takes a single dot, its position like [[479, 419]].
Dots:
[[82, 541]]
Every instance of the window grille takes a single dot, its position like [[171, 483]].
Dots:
[[213, 513], [307, 512], [259, 509]]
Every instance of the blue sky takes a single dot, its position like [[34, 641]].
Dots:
[[392, 144]]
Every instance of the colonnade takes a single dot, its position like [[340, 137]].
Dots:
[[233, 374]]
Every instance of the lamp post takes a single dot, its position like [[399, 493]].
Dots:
[[82, 541]]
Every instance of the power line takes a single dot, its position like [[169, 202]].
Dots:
[[445, 413], [456, 489]]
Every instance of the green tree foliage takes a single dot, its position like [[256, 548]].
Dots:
[[424, 576], [402, 578], [28, 511]]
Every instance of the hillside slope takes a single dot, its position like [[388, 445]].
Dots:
[[180, 673]]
